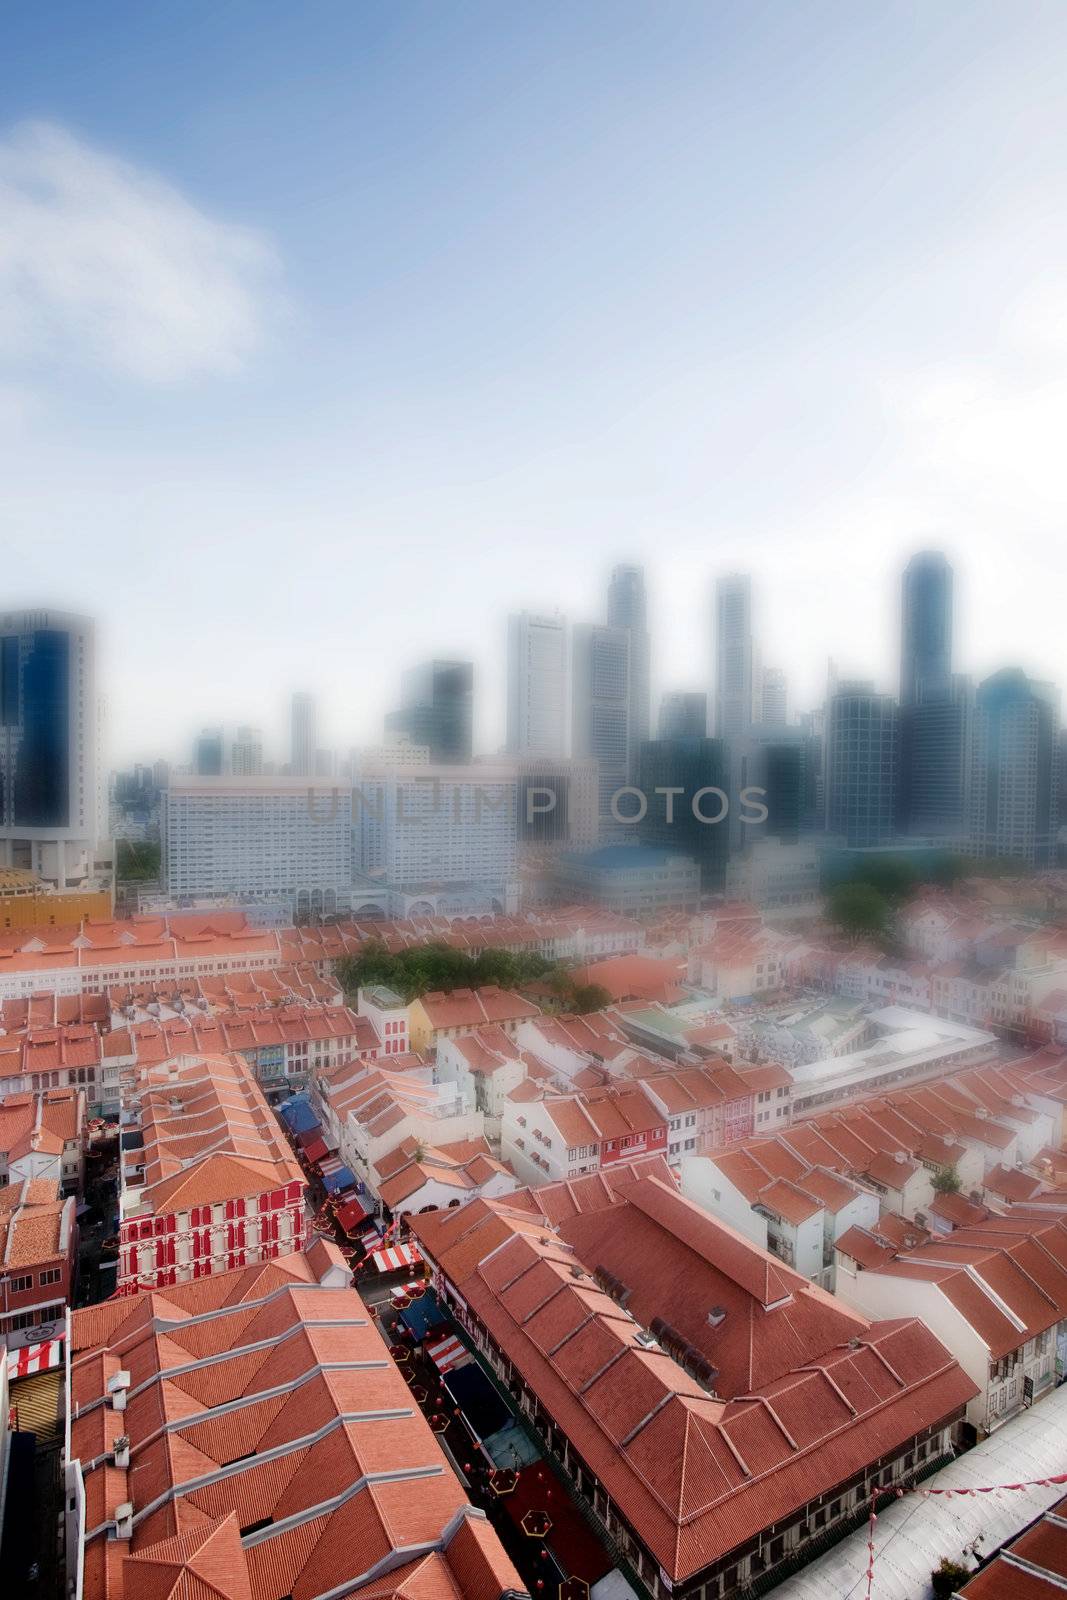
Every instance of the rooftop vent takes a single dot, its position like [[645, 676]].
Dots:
[[612, 1286]]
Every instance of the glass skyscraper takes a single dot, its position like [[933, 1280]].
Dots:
[[48, 755]]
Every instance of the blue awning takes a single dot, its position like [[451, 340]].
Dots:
[[337, 1177], [298, 1115]]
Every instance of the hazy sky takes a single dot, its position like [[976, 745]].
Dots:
[[331, 332]]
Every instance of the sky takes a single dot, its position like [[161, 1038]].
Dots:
[[331, 333]]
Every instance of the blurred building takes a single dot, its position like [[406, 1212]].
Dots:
[[49, 791], [537, 685], [437, 709]]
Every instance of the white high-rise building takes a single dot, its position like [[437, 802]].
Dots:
[[246, 753], [733, 656], [628, 609], [49, 791], [303, 736], [537, 685], [774, 698], [437, 826], [259, 838], [601, 709]]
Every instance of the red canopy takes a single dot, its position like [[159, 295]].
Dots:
[[316, 1150], [351, 1214]]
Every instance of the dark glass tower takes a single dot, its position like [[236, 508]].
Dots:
[[689, 765], [438, 710], [926, 629]]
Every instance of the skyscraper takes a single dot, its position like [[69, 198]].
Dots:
[[926, 629], [437, 709], [209, 753], [1013, 799], [733, 656], [937, 763], [303, 736], [683, 714], [691, 765], [774, 698], [48, 745], [601, 709], [628, 609], [862, 763], [537, 685], [246, 754]]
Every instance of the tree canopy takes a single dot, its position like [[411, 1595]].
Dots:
[[424, 969], [860, 911]]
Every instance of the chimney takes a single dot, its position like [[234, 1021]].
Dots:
[[117, 1385]]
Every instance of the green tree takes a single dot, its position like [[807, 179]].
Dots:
[[137, 860], [860, 911], [947, 1577], [586, 997], [894, 878], [947, 1181]]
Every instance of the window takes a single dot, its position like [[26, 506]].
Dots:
[[50, 1275], [20, 1285]]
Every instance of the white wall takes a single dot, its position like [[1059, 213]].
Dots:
[[703, 1183], [884, 1296]]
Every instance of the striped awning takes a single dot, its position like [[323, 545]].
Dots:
[[34, 1358], [447, 1353], [394, 1256]]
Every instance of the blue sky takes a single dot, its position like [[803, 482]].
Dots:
[[330, 333]]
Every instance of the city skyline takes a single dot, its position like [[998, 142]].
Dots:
[[304, 387], [277, 721]]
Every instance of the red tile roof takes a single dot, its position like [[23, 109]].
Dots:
[[274, 1449], [807, 1392]]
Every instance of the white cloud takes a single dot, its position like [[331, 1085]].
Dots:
[[103, 262]]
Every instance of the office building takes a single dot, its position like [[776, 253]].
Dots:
[[862, 765], [670, 821], [601, 710], [49, 791], [1013, 799], [437, 710], [537, 685], [557, 803], [683, 714], [246, 753], [209, 753], [424, 830], [937, 758], [774, 698], [926, 629], [259, 838], [733, 656], [781, 770], [303, 735], [628, 609]]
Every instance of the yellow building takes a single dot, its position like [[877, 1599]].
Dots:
[[26, 902]]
